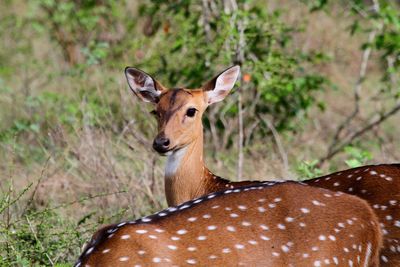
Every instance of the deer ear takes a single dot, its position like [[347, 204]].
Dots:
[[143, 85], [220, 86]]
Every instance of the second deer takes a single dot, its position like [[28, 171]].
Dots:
[[179, 115], [283, 224]]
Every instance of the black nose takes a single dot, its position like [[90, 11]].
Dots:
[[161, 144]]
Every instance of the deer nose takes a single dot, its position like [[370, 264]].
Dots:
[[161, 144]]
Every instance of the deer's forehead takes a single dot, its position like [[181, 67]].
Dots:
[[176, 98]]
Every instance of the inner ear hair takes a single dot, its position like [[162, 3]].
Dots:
[[210, 85], [143, 85]]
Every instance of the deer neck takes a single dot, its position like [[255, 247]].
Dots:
[[186, 175]]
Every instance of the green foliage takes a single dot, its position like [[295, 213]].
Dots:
[[356, 156], [383, 18], [42, 237], [29, 237], [38, 239], [48, 111], [95, 53], [308, 169], [195, 48]]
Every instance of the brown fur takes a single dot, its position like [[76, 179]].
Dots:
[[193, 179], [265, 225]]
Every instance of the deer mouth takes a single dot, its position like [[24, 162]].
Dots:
[[169, 152]]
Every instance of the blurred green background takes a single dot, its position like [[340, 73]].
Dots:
[[319, 92]]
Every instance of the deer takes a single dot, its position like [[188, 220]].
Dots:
[[268, 224], [179, 114]]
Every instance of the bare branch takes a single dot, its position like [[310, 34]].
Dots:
[[206, 19], [357, 96], [239, 59], [281, 149], [382, 117]]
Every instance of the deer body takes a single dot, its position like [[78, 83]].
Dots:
[[179, 112], [263, 225]]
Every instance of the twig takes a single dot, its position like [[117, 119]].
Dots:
[[240, 139], [362, 131], [252, 110], [250, 130], [72, 202], [239, 59], [12, 202], [206, 20], [213, 129], [228, 125], [38, 241], [357, 96], [278, 142], [30, 201]]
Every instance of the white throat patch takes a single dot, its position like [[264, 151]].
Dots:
[[173, 162]]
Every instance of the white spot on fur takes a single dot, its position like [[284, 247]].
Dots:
[[226, 250], [367, 255], [239, 246], [335, 260], [231, 228], [211, 227], [285, 249], [384, 259], [192, 219], [289, 219], [281, 226], [191, 261], [305, 210], [181, 232], [156, 260], [124, 259]]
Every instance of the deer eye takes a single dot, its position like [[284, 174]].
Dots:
[[191, 112], [154, 112]]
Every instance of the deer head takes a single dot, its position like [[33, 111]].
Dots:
[[179, 110]]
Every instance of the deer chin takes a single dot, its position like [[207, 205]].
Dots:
[[173, 161], [168, 153]]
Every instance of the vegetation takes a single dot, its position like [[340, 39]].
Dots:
[[319, 91]]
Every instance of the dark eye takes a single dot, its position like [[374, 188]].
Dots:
[[191, 112], [154, 112]]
